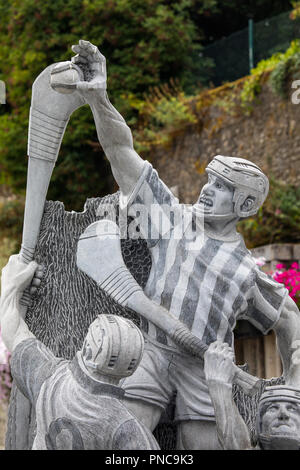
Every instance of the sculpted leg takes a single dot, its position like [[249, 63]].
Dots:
[[197, 435], [148, 414]]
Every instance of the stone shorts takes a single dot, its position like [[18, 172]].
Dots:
[[161, 373]]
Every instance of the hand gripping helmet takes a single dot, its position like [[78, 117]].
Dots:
[[284, 441], [113, 346], [247, 179]]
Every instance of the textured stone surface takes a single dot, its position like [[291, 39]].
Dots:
[[67, 300]]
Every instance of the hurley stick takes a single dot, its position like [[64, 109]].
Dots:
[[99, 255]]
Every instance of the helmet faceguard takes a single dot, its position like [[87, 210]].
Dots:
[[113, 346], [248, 180], [277, 393]]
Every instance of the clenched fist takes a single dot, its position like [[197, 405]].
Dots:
[[219, 363]]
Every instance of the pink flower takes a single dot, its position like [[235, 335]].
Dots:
[[261, 261], [291, 280]]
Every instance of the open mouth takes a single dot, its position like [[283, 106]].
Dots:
[[205, 201]]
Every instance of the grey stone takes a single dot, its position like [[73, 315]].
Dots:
[[236, 188], [280, 252], [58, 315], [78, 404], [296, 252], [191, 277]]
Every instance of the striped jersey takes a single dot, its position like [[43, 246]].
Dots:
[[208, 285]]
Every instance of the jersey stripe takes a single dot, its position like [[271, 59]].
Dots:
[[191, 298], [208, 289]]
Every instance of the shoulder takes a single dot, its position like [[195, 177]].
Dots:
[[24, 351], [31, 364]]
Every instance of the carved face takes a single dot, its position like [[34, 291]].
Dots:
[[217, 196], [281, 418]]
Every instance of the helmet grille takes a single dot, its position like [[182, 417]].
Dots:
[[112, 360]]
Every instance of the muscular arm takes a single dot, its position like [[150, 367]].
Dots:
[[116, 140], [232, 431], [113, 133], [287, 331], [16, 277]]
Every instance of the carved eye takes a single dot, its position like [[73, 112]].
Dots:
[[273, 407]]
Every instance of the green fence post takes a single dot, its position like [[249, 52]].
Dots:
[[250, 35]]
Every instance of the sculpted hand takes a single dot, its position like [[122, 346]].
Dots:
[[16, 277], [93, 65], [219, 363], [37, 279]]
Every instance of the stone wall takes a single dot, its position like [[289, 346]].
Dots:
[[258, 351], [283, 253], [269, 136]]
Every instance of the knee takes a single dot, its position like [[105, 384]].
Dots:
[[147, 413], [197, 435]]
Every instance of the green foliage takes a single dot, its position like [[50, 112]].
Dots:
[[163, 112], [8, 246], [279, 66], [146, 43], [11, 217], [296, 10], [278, 220]]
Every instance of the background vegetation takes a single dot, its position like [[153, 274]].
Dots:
[[155, 70]]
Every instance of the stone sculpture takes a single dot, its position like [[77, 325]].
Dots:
[[78, 404], [99, 255], [208, 280], [203, 275], [278, 413]]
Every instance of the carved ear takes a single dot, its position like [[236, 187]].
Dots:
[[247, 204]]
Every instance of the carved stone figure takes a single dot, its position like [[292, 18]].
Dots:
[[99, 255], [200, 270], [278, 414], [207, 280], [78, 403]]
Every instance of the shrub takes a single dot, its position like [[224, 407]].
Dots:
[[278, 220], [277, 69]]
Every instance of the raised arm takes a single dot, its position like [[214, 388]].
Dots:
[[113, 133], [16, 277], [232, 431]]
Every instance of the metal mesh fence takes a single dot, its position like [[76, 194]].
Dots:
[[231, 54]]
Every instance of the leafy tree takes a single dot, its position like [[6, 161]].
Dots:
[[146, 42], [278, 220]]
